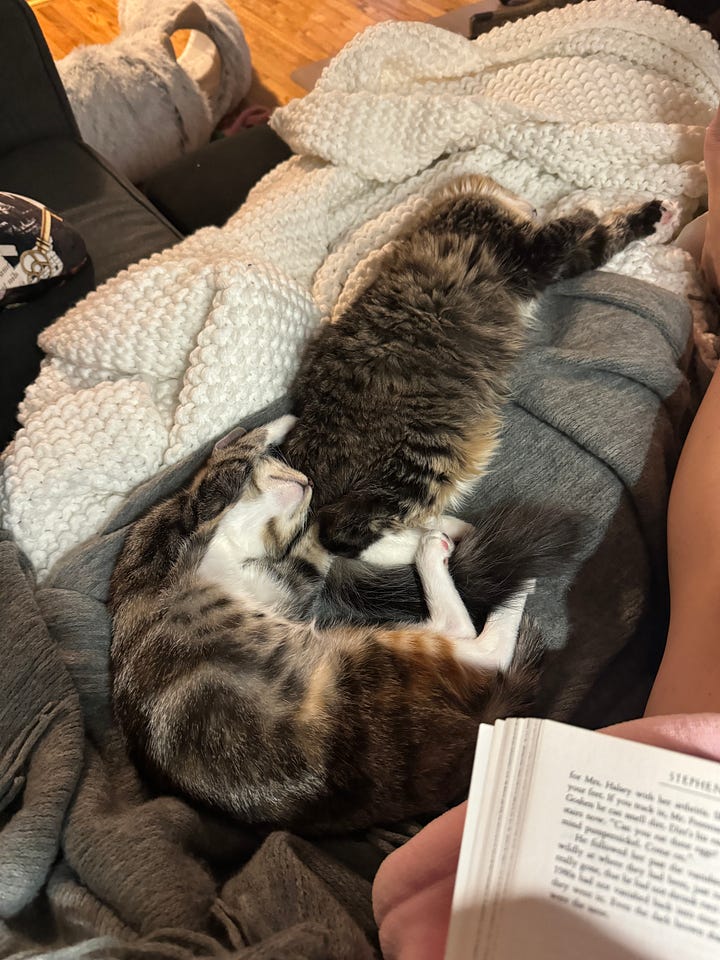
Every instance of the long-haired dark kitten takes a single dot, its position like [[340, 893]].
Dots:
[[227, 694], [400, 397]]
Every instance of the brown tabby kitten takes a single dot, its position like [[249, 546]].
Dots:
[[225, 695], [400, 397]]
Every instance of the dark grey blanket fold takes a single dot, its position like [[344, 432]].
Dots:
[[92, 862]]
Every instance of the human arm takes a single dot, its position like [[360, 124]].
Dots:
[[689, 677]]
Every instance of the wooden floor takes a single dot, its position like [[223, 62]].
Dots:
[[282, 34]]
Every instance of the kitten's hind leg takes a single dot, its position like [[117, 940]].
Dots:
[[574, 244], [496, 644]]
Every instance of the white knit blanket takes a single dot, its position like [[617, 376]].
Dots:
[[605, 101]]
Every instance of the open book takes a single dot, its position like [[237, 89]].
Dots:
[[582, 846]]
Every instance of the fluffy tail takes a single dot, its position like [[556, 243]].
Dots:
[[509, 544], [514, 692]]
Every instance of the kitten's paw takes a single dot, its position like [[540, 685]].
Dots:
[[645, 219], [669, 221], [278, 429], [657, 219], [397, 548], [454, 527], [435, 547]]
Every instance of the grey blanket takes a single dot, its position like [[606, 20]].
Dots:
[[91, 862]]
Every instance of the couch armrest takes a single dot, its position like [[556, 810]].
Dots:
[[34, 104]]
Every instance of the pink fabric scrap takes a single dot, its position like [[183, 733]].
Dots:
[[249, 117]]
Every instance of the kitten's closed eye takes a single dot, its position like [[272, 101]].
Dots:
[[219, 489]]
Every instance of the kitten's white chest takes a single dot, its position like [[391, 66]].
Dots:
[[239, 579]]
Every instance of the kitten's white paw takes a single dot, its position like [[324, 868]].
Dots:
[[278, 429], [668, 222], [454, 527], [435, 547]]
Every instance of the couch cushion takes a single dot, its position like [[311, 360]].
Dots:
[[118, 224], [206, 186]]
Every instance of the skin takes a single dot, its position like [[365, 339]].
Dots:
[[689, 677]]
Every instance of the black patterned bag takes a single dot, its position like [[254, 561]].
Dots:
[[37, 249]]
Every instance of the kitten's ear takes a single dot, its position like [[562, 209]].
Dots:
[[229, 439]]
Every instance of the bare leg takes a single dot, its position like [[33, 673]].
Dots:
[[711, 248], [688, 680], [689, 677]]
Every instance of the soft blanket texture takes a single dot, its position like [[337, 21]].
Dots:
[[412, 894], [91, 861], [603, 102]]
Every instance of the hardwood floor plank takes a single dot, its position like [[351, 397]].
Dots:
[[282, 34]]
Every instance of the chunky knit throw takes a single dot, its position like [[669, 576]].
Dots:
[[601, 103]]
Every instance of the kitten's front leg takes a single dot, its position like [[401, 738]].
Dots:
[[398, 548], [454, 527], [448, 614], [495, 647]]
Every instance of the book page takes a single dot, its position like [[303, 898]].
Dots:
[[468, 916], [617, 856]]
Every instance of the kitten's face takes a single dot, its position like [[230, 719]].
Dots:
[[272, 504]]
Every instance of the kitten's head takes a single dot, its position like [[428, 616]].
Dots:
[[260, 505]]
